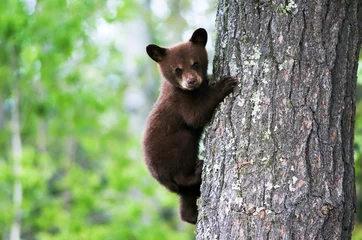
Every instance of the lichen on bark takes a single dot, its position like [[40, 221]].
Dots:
[[279, 151]]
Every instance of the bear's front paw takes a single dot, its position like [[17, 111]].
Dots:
[[227, 84]]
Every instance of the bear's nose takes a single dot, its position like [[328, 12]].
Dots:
[[191, 81]]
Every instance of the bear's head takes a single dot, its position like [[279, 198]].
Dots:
[[183, 65]]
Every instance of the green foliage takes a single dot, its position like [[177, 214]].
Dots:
[[357, 233], [82, 172]]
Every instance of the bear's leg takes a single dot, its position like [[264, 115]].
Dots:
[[191, 179], [188, 208]]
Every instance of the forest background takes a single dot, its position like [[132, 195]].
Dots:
[[76, 86]]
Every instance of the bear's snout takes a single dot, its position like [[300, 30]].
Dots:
[[191, 81]]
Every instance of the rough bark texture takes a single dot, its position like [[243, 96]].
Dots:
[[279, 152]]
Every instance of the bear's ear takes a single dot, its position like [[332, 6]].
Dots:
[[155, 52], [199, 37]]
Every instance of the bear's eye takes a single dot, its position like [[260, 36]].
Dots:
[[195, 65], [178, 71]]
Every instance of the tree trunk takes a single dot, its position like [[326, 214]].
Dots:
[[279, 152], [16, 148]]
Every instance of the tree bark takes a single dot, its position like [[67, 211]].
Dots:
[[279, 151]]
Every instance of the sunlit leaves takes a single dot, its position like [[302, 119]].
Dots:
[[81, 168]]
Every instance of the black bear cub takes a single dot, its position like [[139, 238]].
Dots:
[[185, 105]]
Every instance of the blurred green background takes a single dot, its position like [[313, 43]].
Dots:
[[75, 89]]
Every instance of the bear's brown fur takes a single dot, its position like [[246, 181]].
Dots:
[[185, 105]]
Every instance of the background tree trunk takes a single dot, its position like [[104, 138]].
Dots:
[[16, 150], [279, 152]]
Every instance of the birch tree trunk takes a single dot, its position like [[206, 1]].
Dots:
[[16, 149], [279, 152]]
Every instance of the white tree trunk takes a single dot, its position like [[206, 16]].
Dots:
[[16, 149]]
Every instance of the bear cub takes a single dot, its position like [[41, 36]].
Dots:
[[185, 105]]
